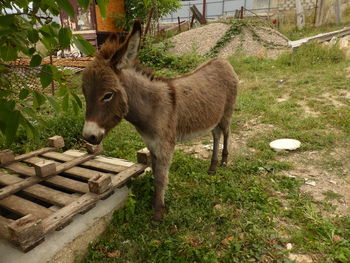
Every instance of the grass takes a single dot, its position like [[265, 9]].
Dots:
[[251, 209]]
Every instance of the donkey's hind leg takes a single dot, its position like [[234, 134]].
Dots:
[[226, 133], [216, 141]]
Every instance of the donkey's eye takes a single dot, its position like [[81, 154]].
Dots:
[[108, 96]]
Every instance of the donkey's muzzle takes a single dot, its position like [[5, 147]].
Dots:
[[92, 132]]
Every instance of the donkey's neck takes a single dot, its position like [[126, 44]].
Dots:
[[146, 97]]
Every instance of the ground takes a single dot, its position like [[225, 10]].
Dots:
[[264, 206]]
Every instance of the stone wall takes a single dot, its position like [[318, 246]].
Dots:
[[290, 4]]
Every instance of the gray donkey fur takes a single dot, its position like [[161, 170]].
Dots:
[[162, 110]]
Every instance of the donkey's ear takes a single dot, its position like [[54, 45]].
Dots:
[[126, 55]]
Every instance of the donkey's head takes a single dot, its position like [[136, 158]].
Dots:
[[106, 99]]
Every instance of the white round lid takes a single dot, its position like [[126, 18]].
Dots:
[[285, 144]]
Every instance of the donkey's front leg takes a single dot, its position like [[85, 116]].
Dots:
[[161, 164]]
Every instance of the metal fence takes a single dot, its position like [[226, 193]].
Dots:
[[218, 8]]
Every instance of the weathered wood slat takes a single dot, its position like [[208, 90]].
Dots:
[[133, 171], [78, 172], [3, 227], [58, 218], [33, 153], [24, 207], [41, 192], [6, 191], [56, 180], [68, 184], [103, 166], [103, 159], [10, 189], [21, 169]]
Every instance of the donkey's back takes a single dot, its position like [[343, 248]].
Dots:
[[205, 98]]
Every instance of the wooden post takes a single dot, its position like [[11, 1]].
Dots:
[[204, 9], [94, 149], [299, 14], [44, 168], [100, 183], [144, 156], [337, 11], [26, 232], [6, 156], [319, 12], [56, 141], [241, 14], [178, 22]]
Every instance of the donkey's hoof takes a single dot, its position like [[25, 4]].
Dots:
[[211, 172], [158, 216]]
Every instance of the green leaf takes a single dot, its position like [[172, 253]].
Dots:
[[8, 53], [65, 102], [102, 5], [77, 100], [83, 45], [62, 91], [75, 106], [38, 99], [23, 94], [35, 61], [66, 6], [64, 37], [33, 36], [54, 104], [84, 3], [12, 126], [46, 75]]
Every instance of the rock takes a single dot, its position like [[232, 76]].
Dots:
[[344, 42], [333, 41], [312, 183], [299, 258], [285, 144], [289, 246]]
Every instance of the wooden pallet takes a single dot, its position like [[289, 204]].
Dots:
[[41, 191]]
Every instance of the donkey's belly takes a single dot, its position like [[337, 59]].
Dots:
[[189, 136]]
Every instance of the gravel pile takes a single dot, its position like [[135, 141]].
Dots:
[[253, 41]]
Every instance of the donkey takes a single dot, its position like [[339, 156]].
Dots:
[[163, 110]]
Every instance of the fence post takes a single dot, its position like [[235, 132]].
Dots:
[[337, 11], [223, 8]]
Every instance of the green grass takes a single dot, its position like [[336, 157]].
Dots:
[[249, 210]]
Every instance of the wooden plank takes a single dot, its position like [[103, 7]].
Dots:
[[13, 188], [68, 184], [78, 172], [103, 166], [21, 169], [56, 180], [110, 160], [66, 213], [38, 191], [3, 227], [33, 153], [24, 207], [121, 178]]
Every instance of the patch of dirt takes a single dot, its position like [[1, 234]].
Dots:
[[202, 147], [320, 180], [253, 41], [333, 100]]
